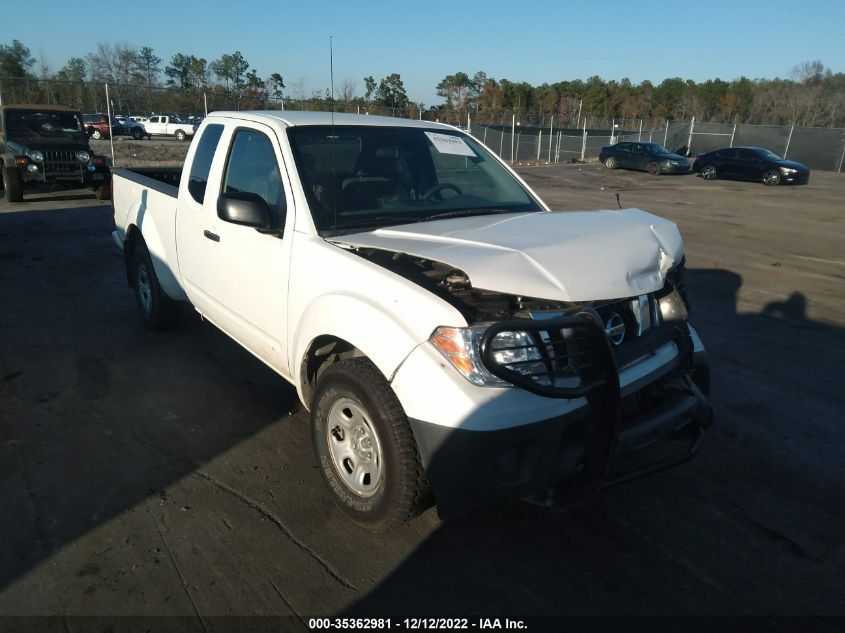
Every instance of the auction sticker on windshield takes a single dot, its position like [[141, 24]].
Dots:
[[448, 144]]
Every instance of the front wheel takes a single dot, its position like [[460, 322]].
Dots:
[[157, 310], [610, 162], [96, 134], [364, 446], [180, 135], [771, 177], [13, 184], [654, 169], [137, 133]]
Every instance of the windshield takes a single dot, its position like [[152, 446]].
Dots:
[[658, 149], [367, 176], [21, 123]]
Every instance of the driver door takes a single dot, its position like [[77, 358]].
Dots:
[[236, 275]]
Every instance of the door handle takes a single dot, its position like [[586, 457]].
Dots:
[[212, 236]]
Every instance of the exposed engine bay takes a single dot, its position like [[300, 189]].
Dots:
[[475, 304]]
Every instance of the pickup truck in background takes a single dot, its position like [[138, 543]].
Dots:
[[166, 125], [455, 341]]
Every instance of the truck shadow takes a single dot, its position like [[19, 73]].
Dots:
[[682, 541]]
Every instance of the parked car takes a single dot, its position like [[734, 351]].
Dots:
[[97, 126], [48, 144], [132, 127], [169, 125], [449, 333], [751, 163], [650, 157]]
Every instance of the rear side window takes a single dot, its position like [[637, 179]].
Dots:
[[206, 147], [726, 153]]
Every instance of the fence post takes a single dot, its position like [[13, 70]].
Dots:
[[841, 158], [484, 140], [111, 136], [551, 136], [501, 140], [584, 140], [691, 128], [557, 148], [513, 134], [732, 135], [539, 143], [205, 101], [788, 141], [666, 133], [517, 145], [640, 137]]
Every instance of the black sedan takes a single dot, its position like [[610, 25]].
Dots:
[[650, 157], [750, 163]]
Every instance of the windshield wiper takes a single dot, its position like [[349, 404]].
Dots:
[[457, 213], [371, 220]]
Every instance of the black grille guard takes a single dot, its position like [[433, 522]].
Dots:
[[576, 349]]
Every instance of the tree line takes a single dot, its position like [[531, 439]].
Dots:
[[812, 96]]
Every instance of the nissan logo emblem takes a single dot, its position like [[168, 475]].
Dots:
[[615, 328]]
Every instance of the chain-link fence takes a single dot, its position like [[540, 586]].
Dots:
[[531, 137]]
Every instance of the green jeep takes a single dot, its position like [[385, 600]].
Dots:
[[48, 144]]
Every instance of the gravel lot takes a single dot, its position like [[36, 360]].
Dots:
[[172, 474]]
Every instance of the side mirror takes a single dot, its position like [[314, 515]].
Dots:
[[246, 209]]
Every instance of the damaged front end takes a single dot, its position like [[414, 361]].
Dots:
[[635, 363]]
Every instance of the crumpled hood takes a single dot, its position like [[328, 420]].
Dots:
[[565, 256]]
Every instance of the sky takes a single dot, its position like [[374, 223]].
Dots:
[[523, 40]]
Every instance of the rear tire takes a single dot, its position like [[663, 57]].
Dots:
[[365, 448], [103, 192], [97, 135], [610, 162], [156, 309], [13, 184], [771, 178], [709, 172], [180, 135]]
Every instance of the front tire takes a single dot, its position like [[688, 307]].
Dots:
[[13, 184], [610, 162], [103, 192], [771, 177], [364, 446], [137, 133], [654, 169], [156, 309]]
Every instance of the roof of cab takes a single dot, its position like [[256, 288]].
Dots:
[[290, 119]]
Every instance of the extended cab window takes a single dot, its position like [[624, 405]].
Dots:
[[252, 168], [202, 161]]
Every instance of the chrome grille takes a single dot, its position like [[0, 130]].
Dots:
[[61, 161]]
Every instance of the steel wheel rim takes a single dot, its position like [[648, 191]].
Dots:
[[145, 288], [770, 177], [354, 448], [708, 173], [609, 163]]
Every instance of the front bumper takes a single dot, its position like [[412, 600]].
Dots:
[[70, 175], [675, 169], [502, 450]]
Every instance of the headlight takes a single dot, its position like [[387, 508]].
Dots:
[[82, 156], [788, 170], [35, 156], [460, 346], [667, 163]]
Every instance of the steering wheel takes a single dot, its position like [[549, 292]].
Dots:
[[436, 189]]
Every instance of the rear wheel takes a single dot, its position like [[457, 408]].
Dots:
[[157, 310], [103, 192], [708, 172], [13, 184], [365, 449], [96, 134], [610, 162], [654, 169], [771, 177], [180, 135]]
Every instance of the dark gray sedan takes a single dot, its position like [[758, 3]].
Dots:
[[650, 157]]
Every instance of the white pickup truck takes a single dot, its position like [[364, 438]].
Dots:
[[165, 125], [454, 340]]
